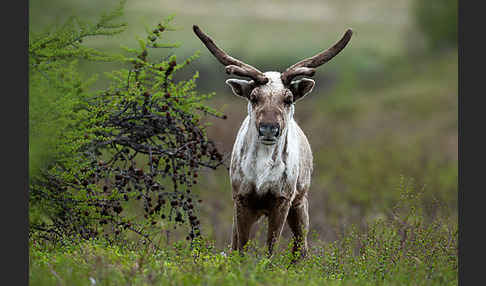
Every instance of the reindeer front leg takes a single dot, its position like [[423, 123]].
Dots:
[[276, 221], [243, 220], [234, 234]]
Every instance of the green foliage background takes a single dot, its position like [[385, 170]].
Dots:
[[438, 21], [383, 112]]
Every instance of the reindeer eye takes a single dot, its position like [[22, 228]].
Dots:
[[288, 100]]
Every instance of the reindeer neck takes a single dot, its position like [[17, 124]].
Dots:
[[271, 153]]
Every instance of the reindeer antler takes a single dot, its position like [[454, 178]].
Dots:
[[233, 66], [307, 67]]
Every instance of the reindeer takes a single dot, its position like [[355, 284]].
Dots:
[[271, 161]]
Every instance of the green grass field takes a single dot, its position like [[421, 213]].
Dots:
[[403, 250]]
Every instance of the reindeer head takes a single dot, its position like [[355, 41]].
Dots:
[[271, 95]]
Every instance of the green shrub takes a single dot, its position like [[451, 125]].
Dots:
[[56, 87], [121, 159], [438, 21]]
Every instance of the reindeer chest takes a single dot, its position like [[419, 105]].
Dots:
[[266, 173], [262, 173]]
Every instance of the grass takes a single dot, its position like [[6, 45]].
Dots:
[[333, 264], [400, 250]]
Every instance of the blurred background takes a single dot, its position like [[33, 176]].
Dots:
[[383, 113]]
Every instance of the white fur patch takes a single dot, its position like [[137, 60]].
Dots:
[[264, 170], [274, 79]]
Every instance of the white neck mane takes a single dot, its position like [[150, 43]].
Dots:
[[264, 164]]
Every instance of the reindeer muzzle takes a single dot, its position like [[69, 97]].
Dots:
[[268, 133]]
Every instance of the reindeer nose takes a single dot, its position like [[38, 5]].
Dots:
[[268, 129]]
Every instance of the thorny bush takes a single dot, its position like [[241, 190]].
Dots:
[[134, 156]]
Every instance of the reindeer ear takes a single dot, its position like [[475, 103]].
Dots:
[[241, 87], [300, 88]]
